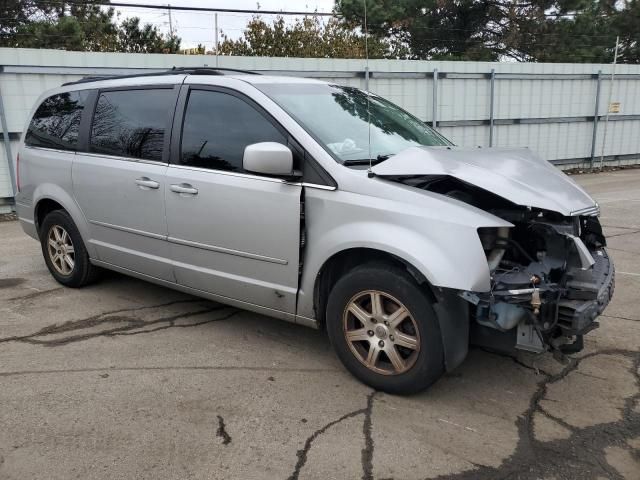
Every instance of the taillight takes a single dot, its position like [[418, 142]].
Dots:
[[18, 172]]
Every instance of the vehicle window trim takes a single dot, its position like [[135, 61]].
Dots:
[[168, 120], [179, 118], [49, 149], [86, 121], [124, 159], [231, 173]]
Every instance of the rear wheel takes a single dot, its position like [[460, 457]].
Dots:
[[64, 251], [384, 330]]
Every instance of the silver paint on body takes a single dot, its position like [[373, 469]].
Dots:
[[235, 237]]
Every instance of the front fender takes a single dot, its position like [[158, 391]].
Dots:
[[438, 237], [450, 259]]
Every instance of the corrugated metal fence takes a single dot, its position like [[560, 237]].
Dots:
[[555, 109]]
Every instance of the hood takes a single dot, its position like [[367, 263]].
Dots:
[[518, 175]]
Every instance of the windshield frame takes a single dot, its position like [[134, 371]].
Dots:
[[265, 87]]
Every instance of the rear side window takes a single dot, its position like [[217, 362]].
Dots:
[[218, 126], [131, 123], [57, 121]]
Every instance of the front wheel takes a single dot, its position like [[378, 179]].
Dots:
[[384, 329]]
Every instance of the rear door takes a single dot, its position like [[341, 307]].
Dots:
[[232, 233], [120, 183]]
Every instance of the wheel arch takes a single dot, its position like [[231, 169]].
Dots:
[[43, 208], [344, 261], [49, 197], [451, 310]]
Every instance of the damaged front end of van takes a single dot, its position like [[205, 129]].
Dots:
[[550, 274]]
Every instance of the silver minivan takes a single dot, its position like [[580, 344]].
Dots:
[[318, 204]]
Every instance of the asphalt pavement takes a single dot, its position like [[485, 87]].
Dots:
[[127, 380]]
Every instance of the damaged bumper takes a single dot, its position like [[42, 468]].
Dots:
[[587, 294], [547, 314]]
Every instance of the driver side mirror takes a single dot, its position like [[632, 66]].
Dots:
[[268, 158]]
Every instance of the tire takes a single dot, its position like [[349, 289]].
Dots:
[[416, 339], [64, 251]]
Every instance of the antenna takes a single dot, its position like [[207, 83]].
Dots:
[[366, 79]]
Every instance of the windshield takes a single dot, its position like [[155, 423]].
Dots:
[[337, 118]]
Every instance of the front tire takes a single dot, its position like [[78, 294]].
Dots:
[[384, 329], [64, 251]]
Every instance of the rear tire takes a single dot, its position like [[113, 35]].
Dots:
[[64, 251], [384, 329]]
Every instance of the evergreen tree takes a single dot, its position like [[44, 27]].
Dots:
[[522, 30], [307, 37], [75, 26]]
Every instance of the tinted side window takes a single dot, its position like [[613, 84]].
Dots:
[[218, 126], [131, 123], [57, 121]]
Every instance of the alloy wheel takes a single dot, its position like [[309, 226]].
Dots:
[[61, 250], [381, 332]]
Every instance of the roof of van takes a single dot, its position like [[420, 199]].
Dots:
[[153, 77]]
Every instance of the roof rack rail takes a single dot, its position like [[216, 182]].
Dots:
[[172, 71], [210, 71]]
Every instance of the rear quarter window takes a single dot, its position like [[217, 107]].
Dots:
[[56, 122]]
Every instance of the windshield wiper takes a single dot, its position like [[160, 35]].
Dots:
[[366, 161]]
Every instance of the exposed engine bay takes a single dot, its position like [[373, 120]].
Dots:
[[551, 276]]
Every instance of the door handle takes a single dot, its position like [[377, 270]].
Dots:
[[184, 188], [146, 182]]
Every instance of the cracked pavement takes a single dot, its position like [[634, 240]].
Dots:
[[125, 379]]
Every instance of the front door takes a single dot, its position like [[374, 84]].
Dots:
[[231, 233], [120, 184]]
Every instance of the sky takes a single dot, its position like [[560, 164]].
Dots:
[[198, 27]]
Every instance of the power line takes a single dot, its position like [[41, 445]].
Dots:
[[206, 9], [533, 36], [253, 11]]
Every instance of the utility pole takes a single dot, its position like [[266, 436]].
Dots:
[[606, 118], [170, 21], [215, 44]]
